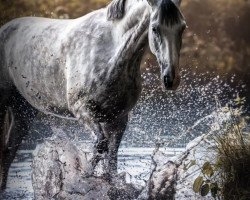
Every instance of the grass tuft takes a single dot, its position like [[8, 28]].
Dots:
[[233, 160]]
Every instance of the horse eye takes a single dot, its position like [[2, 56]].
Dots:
[[183, 29], [154, 29]]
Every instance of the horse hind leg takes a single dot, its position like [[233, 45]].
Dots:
[[6, 121], [7, 126], [15, 125]]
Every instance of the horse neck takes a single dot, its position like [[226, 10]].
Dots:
[[132, 34]]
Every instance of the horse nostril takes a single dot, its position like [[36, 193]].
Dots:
[[168, 81]]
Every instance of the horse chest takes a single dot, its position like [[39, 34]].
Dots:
[[112, 98], [120, 102]]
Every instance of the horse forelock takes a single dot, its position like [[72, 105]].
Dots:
[[169, 13]]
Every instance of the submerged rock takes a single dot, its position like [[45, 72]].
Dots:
[[162, 182], [62, 170], [173, 178], [198, 152]]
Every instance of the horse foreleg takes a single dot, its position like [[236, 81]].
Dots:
[[101, 145], [114, 132], [109, 136]]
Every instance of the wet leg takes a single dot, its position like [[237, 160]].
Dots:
[[18, 116], [114, 132], [4, 131]]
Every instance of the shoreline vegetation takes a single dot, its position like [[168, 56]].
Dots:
[[225, 173], [233, 160]]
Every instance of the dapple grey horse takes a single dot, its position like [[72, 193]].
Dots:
[[86, 69]]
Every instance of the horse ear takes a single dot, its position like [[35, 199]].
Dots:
[[116, 9], [152, 3], [177, 2]]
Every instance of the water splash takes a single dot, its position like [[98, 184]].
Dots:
[[161, 116]]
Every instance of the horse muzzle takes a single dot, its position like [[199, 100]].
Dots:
[[171, 80]]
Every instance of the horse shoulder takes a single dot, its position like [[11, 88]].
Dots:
[[89, 46]]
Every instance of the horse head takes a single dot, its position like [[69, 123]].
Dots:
[[165, 38]]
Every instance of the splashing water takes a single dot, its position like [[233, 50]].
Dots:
[[170, 119], [161, 117]]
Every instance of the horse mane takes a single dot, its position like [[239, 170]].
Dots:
[[169, 13], [116, 9]]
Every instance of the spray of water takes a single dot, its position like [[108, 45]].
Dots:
[[167, 118]]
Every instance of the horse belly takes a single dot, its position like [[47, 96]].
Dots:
[[43, 88]]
